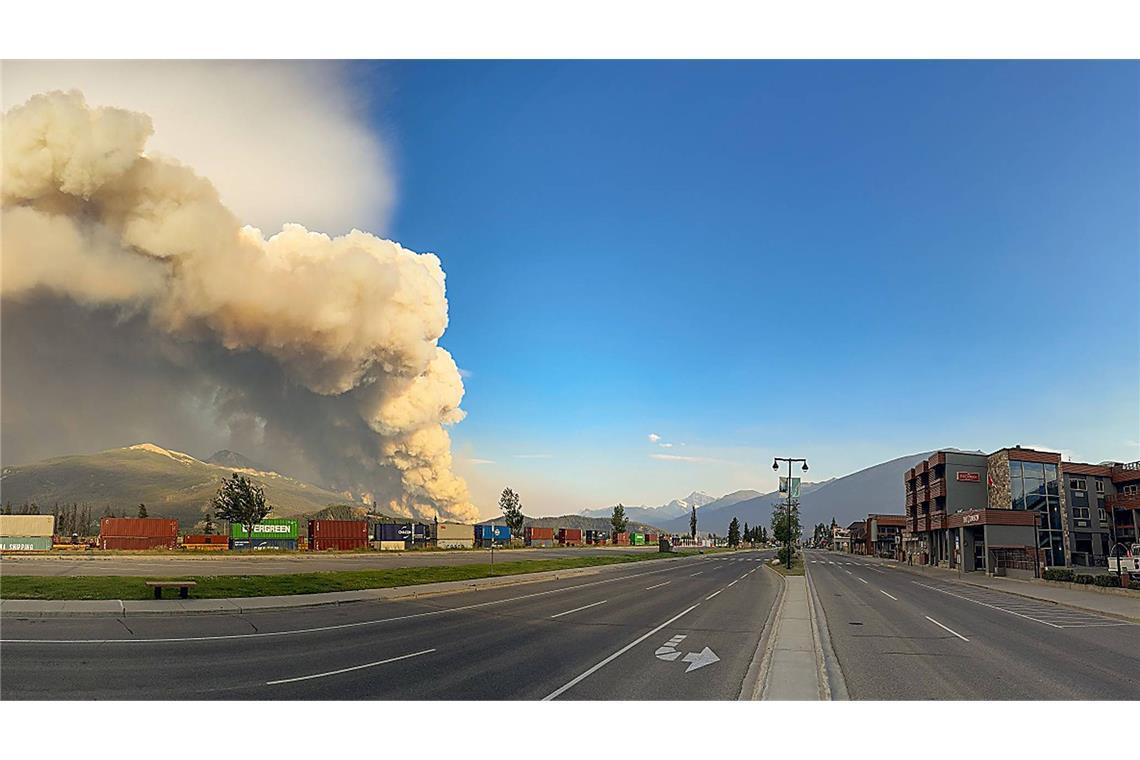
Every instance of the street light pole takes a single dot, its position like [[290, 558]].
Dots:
[[776, 466]]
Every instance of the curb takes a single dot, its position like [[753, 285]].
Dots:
[[831, 674], [751, 688], [27, 608], [770, 644]]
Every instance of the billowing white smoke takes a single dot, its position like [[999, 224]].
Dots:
[[330, 344]]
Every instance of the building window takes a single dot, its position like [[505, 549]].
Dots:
[[1099, 486], [1130, 490], [1080, 513], [1083, 542], [1102, 515], [1078, 484]]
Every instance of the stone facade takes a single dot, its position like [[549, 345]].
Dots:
[[997, 467]]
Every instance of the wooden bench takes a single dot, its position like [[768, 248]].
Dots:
[[182, 586]]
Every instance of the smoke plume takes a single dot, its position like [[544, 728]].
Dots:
[[124, 272]]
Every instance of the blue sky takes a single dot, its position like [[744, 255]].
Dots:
[[848, 261]]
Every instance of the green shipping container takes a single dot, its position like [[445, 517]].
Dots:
[[272, 528], [637, 539], [25, 543]]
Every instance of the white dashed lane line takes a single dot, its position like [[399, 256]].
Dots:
[[932, 620], [884, 593]]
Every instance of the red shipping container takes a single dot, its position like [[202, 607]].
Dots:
[[137, 542], [338, 535], [621, 539], [650, 538], [569, 536], [202, 538], [150, 527], [533, 532], [320, 544]]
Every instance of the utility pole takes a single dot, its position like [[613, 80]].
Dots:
[[788, 507]]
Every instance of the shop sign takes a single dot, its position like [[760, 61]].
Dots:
[[969, 519], [968, 477]]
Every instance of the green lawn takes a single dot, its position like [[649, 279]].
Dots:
[[223, 586], [796, 569]]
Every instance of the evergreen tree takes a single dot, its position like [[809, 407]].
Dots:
[[208, 527], [734, 532], [142, 510], [693, 523], [618, 521], [512, 511]]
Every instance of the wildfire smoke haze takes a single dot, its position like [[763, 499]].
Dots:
[[129, 287]]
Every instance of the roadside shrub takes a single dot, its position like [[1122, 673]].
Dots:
[[1083, 579], [1107, 580], [784, 555], [1060, 574], [1134, 585]]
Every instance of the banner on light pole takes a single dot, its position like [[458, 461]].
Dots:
[[795, 487]]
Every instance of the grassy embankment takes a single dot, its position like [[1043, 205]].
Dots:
[[226, 586]]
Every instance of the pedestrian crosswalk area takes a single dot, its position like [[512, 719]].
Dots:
[[1053, 615]]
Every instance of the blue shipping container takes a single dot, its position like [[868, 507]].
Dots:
[[265, 544], [502, 533], [400, 532]]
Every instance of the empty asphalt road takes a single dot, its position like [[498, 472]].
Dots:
[[261, 563], [681, 629], [902, 635]]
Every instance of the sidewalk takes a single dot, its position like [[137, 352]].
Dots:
[[1120, 605], [239, 605], [792, 669]]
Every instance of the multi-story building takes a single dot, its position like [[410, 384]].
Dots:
[[840, 539], [1015, 507], [858, 532], [884, 535]]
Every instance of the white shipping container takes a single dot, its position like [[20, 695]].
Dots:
[[391, 546], [453, 531], [27, 525], [455, 543]]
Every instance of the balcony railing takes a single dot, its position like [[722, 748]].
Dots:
[[937, 488], [1123, 501]]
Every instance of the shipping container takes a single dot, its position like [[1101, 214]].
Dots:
[[276, 528], [25, 543], [621, 539], [540, 543], [449, 531], [24, 526], [501, 533], [138, 542], [637, 539], [651, 538], [389, 546], [399, 532], [533, 531], [138, 527], [266, 544], [570, 536], [202, 538], [341, 535]]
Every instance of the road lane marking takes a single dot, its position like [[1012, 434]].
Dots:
[[325, 628], [346, 670], [659, 585], [694, 575], [733, 583], [991, 606], [884, 593], [562, 689], [861, 580], [579, 609], [710, 596], [932, 620], [848, 572]]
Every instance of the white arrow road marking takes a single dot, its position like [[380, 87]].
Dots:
[[700, 659], [346, 670], [561, 689]]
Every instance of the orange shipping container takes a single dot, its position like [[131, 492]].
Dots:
[[136, 527]]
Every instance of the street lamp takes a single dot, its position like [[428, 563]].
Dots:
[[776, 466]]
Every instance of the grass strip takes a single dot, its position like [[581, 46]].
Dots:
[[230, 586]]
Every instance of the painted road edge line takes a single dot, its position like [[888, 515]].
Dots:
[[884, 593], [951, 630], [579, 609], [562, 689], [710, 596], [346, 670]]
